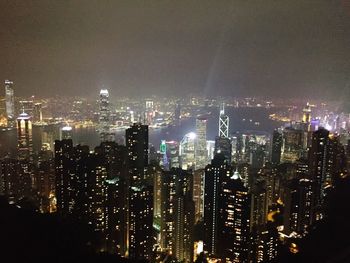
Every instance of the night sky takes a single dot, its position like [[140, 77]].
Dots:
[[239, 48]]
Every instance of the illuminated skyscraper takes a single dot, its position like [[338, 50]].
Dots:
[[201, 153], [223, 142], [223, 122], [66, 133], [307, 114], [25, 137], [10, 103], [37, 113], [187, 151], [105, 117]]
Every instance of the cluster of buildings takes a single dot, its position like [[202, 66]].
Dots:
[[238, 198]]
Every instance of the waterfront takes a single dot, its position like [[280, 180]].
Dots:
[[241, 120]]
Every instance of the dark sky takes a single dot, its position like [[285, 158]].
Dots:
[[238, 47]]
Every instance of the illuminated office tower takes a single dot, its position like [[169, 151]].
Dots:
[[223, 122], [201, 153], [173, 152], [25, 137], [105, 117], [66, 133], [187, 151], [211, 150], [277, 141], [10, 103], [37, 113], [293, 145], [223, 142], [307, 116], [149, 112], [177, 214], [216, 175]]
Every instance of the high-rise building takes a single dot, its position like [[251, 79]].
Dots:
[[277, 142], [140, 198], [318, 168], [10, 103], [137, 146], [223, 146], [293, 144], [37, 113], [92, 188], [187, 151], [173, 154], [298, 206], [237, 219], [223, 122], [105, 117], [66, 133], [25, 137], [198, 193], [201, 153], [307, 116], [177, 214], [64, 169], [216, 174]]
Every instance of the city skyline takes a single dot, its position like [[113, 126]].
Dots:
[[189, 131]]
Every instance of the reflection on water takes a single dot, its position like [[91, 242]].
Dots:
[[241, 119]]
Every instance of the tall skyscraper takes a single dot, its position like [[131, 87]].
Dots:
[[105, 117], [187, 151], [223, 146], [201, 153], [223, 142], [318, 168], [237, 219], [216, 175], [307, 116], [37, 113], [223, 122], [137, 146], [25, 137], [140, 216], [66, 133], [10, 103], [277, 141], [177, 214]]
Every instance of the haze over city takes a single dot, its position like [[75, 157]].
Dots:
[[236, 48]]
